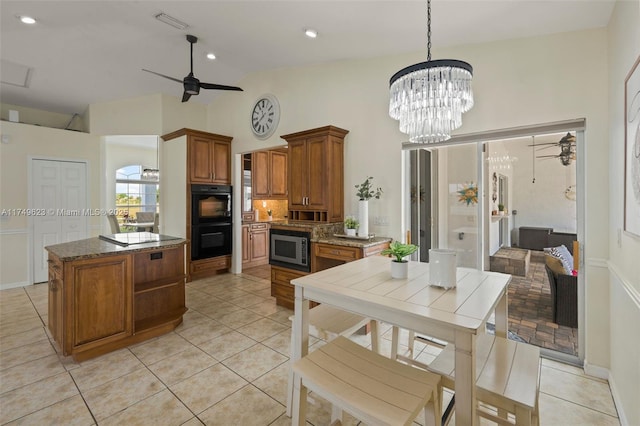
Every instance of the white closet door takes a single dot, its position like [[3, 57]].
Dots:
[[58, 188]]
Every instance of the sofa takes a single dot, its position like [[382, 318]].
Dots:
[[564, 298]]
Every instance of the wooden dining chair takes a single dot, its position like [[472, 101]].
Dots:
[[367, 385], [156, 224], [507, 378], [145, 217], [113, 223], [327, 323]]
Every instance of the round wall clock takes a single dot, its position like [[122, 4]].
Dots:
[[265, 116]]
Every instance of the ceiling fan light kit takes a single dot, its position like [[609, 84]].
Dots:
[[567, 149], [429, 98], [190, 83]]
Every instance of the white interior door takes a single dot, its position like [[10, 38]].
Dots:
[[59, 192]]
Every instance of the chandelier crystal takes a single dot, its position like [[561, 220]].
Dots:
[[429, 97], [150, 174]]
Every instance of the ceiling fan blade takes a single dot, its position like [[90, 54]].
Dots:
[[162, 75], [185, 96], [548, 143], [219, 87]]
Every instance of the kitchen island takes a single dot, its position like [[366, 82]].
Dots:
[[105, 295]]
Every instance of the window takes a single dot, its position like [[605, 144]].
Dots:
[[134, 194]]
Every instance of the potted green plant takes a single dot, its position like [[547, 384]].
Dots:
[[365, 191], [351, 224], [269, 213], [399, 266], [501, 209]]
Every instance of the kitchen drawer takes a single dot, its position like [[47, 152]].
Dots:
[[248, 217], [284, 275], [158, 265], [346, 254], [373, 250], [202, 267], [259, 226], [284, 294]]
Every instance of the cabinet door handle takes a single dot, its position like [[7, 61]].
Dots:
[[214, 175]]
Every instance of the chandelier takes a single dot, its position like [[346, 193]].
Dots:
[[149, 173], [429, 97]]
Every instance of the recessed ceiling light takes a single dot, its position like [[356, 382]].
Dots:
[[311, 33], [27, 20], [211, 56]]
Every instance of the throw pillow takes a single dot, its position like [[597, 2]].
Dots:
[[562, 253], [554, 264]]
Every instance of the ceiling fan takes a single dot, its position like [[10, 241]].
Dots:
[[567, 149], [191, 84]]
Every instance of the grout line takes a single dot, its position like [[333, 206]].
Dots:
[[580, 405]]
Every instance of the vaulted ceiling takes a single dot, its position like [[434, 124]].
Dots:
[[83, 52]]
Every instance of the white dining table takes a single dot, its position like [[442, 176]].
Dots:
[[455, 315]]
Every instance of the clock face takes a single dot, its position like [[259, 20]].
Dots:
[[265, 116]]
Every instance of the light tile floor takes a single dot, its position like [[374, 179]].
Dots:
[[225, 365]]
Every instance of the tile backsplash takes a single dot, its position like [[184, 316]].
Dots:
[[278, 208]]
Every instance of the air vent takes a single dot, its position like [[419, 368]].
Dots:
[[170, 20]]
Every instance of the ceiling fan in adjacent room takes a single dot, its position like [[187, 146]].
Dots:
[[567, 149], [191, 84]]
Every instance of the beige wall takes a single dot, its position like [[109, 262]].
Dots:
[[146, 115], [27, 142], [624, 50]]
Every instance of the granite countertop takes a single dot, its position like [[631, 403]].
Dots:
[[96, 247], [352, 242]]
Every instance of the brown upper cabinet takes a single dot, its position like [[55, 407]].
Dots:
[[316, 174], [208, 156], [269, 174]]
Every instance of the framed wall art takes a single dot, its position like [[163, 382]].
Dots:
[[632, 151]]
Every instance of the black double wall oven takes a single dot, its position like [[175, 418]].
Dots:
[[211, 224]]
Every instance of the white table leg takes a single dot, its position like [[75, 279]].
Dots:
[[502, 315], [465, 389], [297, 396]]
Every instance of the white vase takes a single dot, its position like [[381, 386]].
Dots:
[[442, 268], [363, 218], [399, 270], [351, 232]]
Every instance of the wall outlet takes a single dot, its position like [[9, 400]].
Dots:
[[380, 220]]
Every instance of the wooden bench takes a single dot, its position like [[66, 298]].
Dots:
[[327, 323], [367, 385], [508, 378]]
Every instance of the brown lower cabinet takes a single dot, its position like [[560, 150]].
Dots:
[[255, 245], [100, 304], [323, 256]]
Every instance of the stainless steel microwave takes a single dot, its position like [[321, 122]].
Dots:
[[290, 249]]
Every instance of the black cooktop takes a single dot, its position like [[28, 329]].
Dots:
[[129, 238]]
